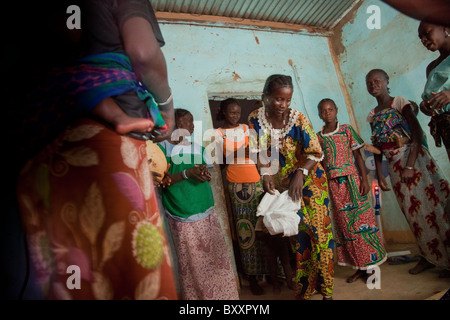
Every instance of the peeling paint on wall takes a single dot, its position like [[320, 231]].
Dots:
[[236, 77], [256, 38]]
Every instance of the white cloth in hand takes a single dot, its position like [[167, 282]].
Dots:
[[280, 213]]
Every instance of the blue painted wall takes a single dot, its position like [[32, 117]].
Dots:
[[203, 61]]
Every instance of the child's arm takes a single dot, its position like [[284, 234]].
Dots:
[[371, 148], [364, 187], [378, 157], [381, 180]]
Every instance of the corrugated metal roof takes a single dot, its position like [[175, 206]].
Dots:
[[313, 13]]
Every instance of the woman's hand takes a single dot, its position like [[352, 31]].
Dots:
[[383, 183], [159, 135], [296, 186], [205, 173], [268, 184], [199, 173], [161, 181], [439, 100], [407, 175], [425, 108], [364, 187]]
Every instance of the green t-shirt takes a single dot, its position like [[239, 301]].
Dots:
[[187, 197]]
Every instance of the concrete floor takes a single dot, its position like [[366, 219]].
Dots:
[[395, 284]]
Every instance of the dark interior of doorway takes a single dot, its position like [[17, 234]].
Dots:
[[247, 106]]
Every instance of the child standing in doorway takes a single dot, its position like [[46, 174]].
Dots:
[[245, 189], [359, 244]]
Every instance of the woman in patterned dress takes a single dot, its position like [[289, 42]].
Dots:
[[245, 189], [359, 243], [286, 137], [419, 185], [87, 202]]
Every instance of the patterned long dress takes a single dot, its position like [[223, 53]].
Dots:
[[245, 188], [359, 244], [204, 263], [88, 204], [314, 243], [424, 198]]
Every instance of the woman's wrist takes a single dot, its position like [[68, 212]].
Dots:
[[299, 175], [303, 171], [184, 174], [266, 176]]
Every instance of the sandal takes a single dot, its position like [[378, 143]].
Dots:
[[403, 259]]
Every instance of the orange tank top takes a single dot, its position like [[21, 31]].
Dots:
[[242, 169]]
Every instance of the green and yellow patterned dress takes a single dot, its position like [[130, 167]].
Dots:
[[314, 242]]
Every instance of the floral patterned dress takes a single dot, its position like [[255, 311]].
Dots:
[[245, 188], [287, 149], [423, 200], [92, 219], [359, 242]]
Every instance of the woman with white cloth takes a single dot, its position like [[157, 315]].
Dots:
[[299, 172]]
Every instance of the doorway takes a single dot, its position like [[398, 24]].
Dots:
[[247, 106]]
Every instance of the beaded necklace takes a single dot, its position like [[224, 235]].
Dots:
[[268, 129]]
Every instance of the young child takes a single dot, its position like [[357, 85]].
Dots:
[[116, 96], [358, 238], [103, 86], [204, 265]]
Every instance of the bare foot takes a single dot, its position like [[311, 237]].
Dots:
[[421, 266], [358, 274], [255, 288], [125, 124], [108, 110]]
